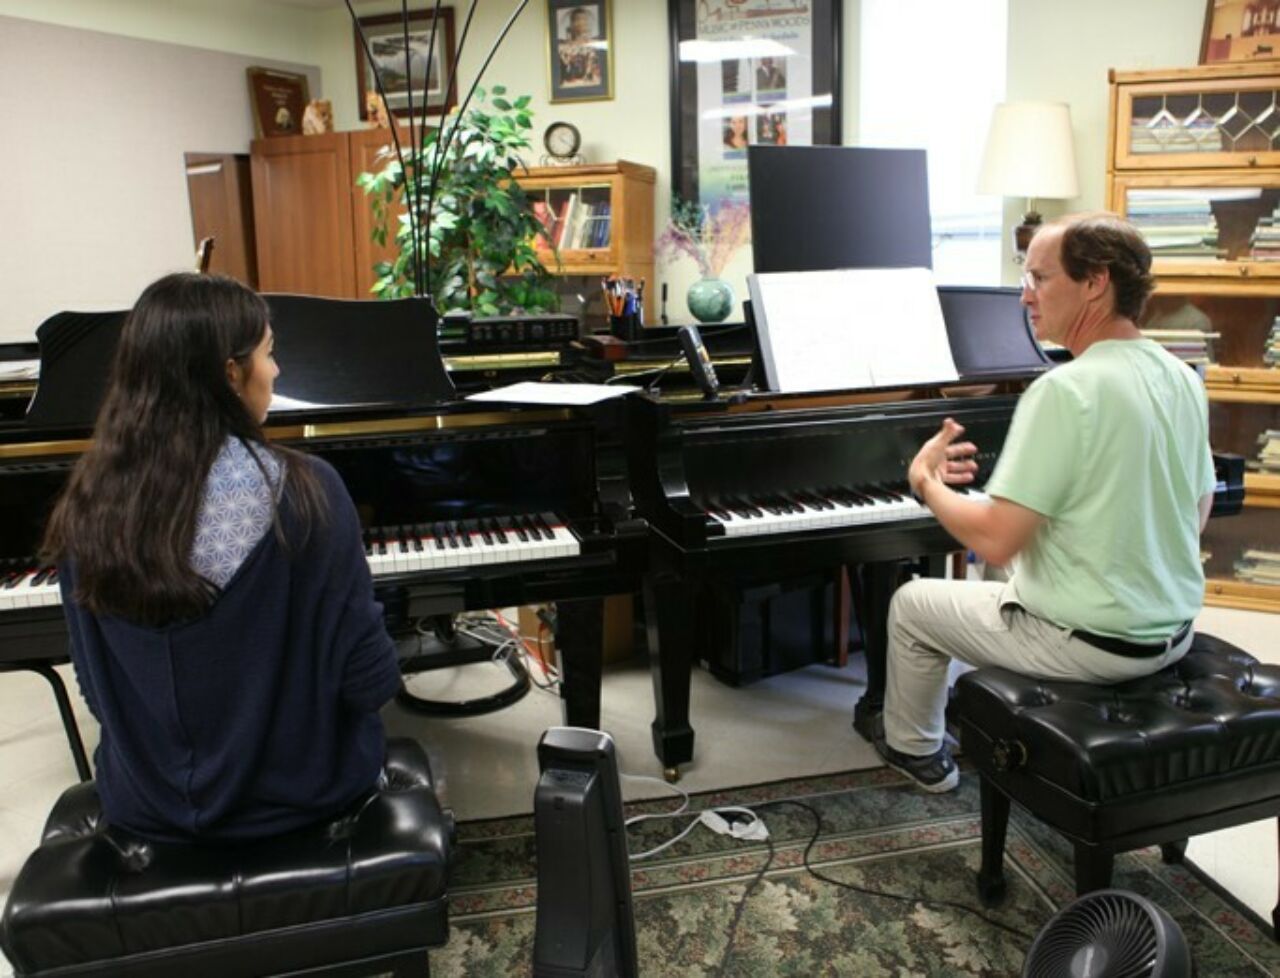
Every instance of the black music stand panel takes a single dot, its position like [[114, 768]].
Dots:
[[337, 352], [989, 332]]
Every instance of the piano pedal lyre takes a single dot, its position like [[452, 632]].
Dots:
[[441, 646]]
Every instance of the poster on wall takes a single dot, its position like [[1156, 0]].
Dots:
[[762, 72]]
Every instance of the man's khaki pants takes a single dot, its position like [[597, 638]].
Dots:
[[980, 623]]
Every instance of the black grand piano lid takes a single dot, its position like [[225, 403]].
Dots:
[[333, 353]]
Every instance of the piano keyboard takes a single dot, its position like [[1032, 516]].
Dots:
[[389, 550], [465, 543], [838, 506]]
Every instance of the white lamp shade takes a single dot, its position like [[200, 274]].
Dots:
[[1029, 152]]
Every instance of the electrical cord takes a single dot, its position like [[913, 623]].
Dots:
[[867, 891], [658, 373], [736, 810]]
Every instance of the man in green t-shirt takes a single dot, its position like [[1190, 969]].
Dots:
[[1097, 503]]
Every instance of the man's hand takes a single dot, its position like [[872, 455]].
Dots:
[[943, 459]]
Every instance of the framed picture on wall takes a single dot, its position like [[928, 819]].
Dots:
[[385, 35], [579, 50], [278, 99], [1240, 30], [748, 71]]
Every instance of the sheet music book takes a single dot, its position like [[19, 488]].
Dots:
[[850, 328]]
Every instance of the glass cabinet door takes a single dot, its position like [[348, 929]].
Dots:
[[1226, 226], [1209, 122], [1242, 552]]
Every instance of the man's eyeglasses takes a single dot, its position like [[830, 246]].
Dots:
[[1031, 281]]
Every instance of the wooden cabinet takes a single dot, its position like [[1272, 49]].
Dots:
[[600, 217], [312, 221], [1194, 162]]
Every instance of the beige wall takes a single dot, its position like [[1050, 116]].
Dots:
[[1056, 50], [1062, 52]]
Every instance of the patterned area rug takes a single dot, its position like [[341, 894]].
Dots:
[[878, 833]]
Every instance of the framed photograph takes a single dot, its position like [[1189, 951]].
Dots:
[[278, 99], [579, 50], [386, 37], [748, 72], [1240, 30]]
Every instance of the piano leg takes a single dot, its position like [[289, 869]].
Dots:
[[670, 625], [580, 641], [873, 587], [64, 708]]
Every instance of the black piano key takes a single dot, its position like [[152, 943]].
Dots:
[[53, 578], [546, 521], [464, 536], [500, 530], [521, 535], [42, 576], [13, 578], [744, 508]]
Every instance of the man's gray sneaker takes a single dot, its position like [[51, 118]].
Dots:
[[936, 772]]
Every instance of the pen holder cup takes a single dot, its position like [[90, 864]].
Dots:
[[625, 327]]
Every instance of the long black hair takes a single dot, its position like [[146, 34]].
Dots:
[[127, 516]]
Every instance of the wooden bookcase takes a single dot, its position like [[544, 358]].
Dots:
[[600, 216], [1194, 161]]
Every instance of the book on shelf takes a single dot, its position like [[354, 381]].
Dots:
[[564, 221]]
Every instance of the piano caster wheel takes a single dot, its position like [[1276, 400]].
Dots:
[[671, 774]]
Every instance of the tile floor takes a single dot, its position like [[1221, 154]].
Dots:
[[785, 726]]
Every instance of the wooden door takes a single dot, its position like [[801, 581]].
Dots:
[[302, 215], [218, 186]]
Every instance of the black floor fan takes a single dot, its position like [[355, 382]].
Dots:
[[1110, 934]]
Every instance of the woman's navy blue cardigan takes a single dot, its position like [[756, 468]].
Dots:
[[261, 715]]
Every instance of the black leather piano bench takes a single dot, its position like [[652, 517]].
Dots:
[[1190, 749], [361, 894]]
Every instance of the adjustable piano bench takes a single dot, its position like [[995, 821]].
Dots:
[[1192, 748], [360, 894]]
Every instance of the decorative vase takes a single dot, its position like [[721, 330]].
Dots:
[[710, 300]]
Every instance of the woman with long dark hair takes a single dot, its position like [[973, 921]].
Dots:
[[222, 619]]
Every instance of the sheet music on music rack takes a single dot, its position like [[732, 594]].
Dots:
[[850, 328]]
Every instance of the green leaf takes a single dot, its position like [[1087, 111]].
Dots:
[[503, 104]]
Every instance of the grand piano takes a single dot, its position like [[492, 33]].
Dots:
[[768, 485], [464, 506]]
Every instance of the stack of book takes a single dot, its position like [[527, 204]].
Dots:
[[1192, 346], [577, 223], [1268, 459], [1271, 352], [1264, 245], [1177, 223], [1259, 566], [1164, 134]]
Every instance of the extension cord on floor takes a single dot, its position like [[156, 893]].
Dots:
[[753, 831]]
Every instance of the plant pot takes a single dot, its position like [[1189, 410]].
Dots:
[[710, 300]]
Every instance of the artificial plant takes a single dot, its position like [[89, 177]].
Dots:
[[478, 252]]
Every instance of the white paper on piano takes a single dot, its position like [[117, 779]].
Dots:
[[532, 392], [850, 327]]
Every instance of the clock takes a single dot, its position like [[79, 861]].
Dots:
[[562, 140]]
